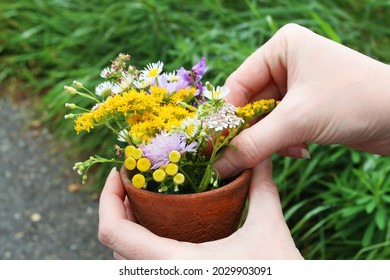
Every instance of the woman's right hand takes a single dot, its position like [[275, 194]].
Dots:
[[329, 94]]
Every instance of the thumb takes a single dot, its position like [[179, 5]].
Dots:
[[265, 205], [265, 222], [271, 134]]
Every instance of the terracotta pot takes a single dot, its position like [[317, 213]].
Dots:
[[196, 218]]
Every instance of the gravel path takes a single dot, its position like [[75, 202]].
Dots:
[[39, 217]]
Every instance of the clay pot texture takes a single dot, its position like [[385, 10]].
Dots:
[[196, 218]]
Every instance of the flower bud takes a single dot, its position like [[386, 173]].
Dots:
[[70, 90], [69, 116], [78, 84], [70, 105]]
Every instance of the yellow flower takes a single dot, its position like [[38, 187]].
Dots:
[[130, 163], [129, 150], [179, 179], [159, 175], [137, 153], [171, 169], [255, 109], [174, 156], [139, 181], [143, 164], [184, 95]]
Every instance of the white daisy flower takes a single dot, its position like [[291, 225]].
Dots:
[[104, 89], [172, 77], [152, 70], [141, 84], [123, 136], [125, 82], [106, 72], [190, 126], [216, 93]]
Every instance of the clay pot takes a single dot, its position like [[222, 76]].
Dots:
[[196, 218]]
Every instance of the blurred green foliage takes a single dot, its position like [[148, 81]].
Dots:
[[337, 204]]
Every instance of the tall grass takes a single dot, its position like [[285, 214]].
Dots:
[[336, 204]]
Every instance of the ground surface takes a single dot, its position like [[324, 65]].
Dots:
[[39, 217]]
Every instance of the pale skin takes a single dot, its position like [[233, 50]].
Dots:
[[329, 94]]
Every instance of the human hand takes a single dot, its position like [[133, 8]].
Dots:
[[264, 235], [329, 94]]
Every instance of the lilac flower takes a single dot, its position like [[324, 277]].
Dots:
[[200, 68], [195, 75], [171, 84], [185, 74], [159, 148]]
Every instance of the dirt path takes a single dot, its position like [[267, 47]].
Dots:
[[39, 217]]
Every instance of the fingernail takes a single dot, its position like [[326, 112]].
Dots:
[[113, 169], [298, 152]]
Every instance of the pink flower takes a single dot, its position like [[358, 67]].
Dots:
[[159, 148]]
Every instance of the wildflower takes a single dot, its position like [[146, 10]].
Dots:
[[152, 70], [160, 146], [107, 73], [179, 179], [195, 75], [104, 89], [124, 83], [216, 93], [174, 156], [141, 84], [143, 164], [171, 83], [123, 136], [199, 69], [139, 181], [190, 126], [253, 110], [130, 163], [171, 169], [222, 119], [159, 175]]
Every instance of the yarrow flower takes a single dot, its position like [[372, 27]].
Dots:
[[169, 127]]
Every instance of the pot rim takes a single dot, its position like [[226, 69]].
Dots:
[[127, 184]]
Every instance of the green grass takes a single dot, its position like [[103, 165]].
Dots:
[[337, 204]]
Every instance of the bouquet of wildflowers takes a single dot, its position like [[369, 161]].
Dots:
[[170, 127]]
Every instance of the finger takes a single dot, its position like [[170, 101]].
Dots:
[[263, 71], [265, 221], [297, 151], [112, 197], [117, 256], [126, 238], [264, 203], [273, 133]]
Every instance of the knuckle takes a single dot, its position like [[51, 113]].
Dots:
[[107, 234], [249, 151]]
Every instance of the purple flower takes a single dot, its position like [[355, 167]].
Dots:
[[172, 85], [195, 75], [159, 148], [200, 68], [184, 74]]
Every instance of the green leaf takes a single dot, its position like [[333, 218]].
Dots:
[[370, 206], [380, 218], [367, 237]]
